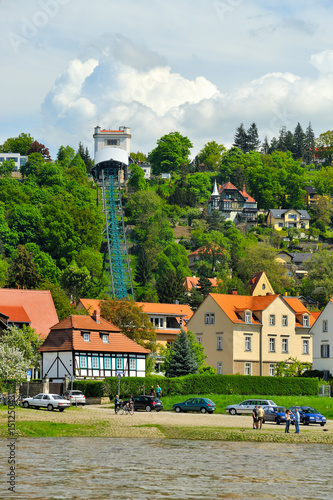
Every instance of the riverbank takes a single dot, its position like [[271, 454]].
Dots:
[[100, 421]]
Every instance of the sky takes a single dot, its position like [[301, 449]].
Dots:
[[200, 67]]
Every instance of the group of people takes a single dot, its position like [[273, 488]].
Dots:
[[258, 417], [118, 402], [157, 393]]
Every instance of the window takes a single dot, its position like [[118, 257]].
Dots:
[[280, 224], [272, 319], [263, 286], [112, 142], [325, 325], [247, 370], [284, 320], [83, 362], [219, 368], [248, 343], [271, 370], [271, 345], [209, 319], [132, 364], [306, 320], [284, 345], [119, 364], [199, 340], [292, 216], [219, 342], [105, 338], [86, 337], [95, 362], [325, 351], [248, 317], [107, 363], [306, 347], [157, 322]]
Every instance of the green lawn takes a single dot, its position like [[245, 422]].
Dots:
[[323, 405]]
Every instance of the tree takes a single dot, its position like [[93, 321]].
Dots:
[[324, 146], [37, 147], [65, 155], [33, 165], [76, 281], [319, 281], [171, 151], [85, 156], [6, 168], [143, 271], [131, 319], [241, 139], [298, 145], [137, 178], [60, 300], [253, 141], [170, 287], [138, 157], [293, 367], [13, 365], [182, 358], [309, 144], [26, 340], [23, 272], [322, 211], [18, 144], [211, 155], [205, 286]]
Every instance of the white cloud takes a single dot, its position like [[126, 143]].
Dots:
[[323, 61]]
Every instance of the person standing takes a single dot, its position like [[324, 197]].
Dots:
[[287, 416], [297, 420], [260, 414], [255, 417], [158, 392], [116, 404], [152, 391]]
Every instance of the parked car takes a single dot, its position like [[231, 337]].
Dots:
[[309, 415], [147, 403], [203, 405], [75, 397], [248, 405], [49, 401], [276, 414]]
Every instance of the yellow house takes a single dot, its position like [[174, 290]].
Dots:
[[289, 218], [284, 257], [259, 284], [249, 335]]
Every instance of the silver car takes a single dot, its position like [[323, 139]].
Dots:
[[75, 397], [248, 405], [49, 401]]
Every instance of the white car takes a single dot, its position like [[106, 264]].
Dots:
[[49, 401], [75, 397], [248, 406]]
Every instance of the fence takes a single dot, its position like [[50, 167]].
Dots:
[[325, 390]]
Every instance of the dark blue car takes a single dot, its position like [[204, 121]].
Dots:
[[309, 415], [276, 414]]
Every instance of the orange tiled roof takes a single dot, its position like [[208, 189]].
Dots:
[[247, 196], [315, 314], [38, 305], [299, 308], [113, 131], [67, 336], [227, 185], [193, 282], [231, 304], [200, 250], [15, 314]]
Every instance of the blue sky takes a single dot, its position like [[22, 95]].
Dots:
[[197, 66]]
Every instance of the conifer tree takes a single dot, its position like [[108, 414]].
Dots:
[[265, 147], [298, 145], [309, 144], [240, 139], [181, 359], [253, 141]]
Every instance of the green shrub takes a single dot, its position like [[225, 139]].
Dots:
[[90, 388]]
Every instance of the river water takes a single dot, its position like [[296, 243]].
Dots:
[[99, 468]]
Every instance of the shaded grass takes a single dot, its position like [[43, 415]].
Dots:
[[56, 429], [323, 404]]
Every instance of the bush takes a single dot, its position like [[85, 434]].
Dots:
[[90, 388]]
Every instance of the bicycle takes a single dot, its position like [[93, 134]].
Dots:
[[126, 410]]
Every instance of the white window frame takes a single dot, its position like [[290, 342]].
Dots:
[[272, 319], [284, 320], [272, 370], [285, 346], [107, 361], [83, 362], [95, 362], [131, 366], [248, 368], [219, 368], [306, 321], [105, 338], [157, 321], [117, 364], [325, 325], [272, 344], [219, 343], [86, 336], [248, 318], [248, 343], [306, 346]]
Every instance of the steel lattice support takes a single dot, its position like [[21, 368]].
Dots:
[[117, 265]]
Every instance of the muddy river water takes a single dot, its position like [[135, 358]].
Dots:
[[92, 468]]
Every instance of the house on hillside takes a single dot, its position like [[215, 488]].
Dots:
[[193, 282], [215, 252], [249, 335], [289, 218], [259, 284], [30, 307], [92, 348], [234, 204], [322, 332]]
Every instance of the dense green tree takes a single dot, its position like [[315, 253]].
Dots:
[[6, 168], [265, 147], [3, 272], [18, 144], [324, 146], [211, 155], [309, 144], [137, 179], [299, 140], [253, 141], [76, 281], [13, 366], [132, 321], [33, 166], [319, 281], [143, 271], [171, 151], [23, 272], [65, 155], [323, 181], [170, 287], [26, 340], [37, 147], [181, 359], [60, 300], [26, 221], [322, 211], [138, 156], [241, 139]]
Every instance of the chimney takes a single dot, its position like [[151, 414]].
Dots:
[[234, 292], [97, 316]]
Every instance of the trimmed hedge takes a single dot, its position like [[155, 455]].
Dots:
[[201, 384]]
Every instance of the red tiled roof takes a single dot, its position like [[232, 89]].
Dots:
[[247, 196], [15, 314], [38, 305], [201, 250], [231, 304], [113, 131], [67, 336], [193, 282], [315, 314], [299, 308], [227, 185]]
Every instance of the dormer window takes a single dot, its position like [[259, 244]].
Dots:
[[105, 338], [306, 320], [86, 336], [248, 318]]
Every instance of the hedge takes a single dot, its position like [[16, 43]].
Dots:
[[201, 384]]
